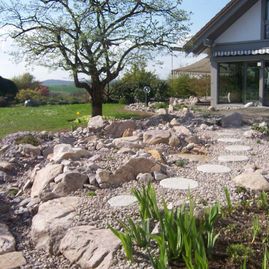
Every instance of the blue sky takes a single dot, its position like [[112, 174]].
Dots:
[[202, 12]]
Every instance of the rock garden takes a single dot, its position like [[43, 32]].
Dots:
[[175, 190]]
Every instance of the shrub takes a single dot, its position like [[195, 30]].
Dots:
[[29, 94], [27, 139]]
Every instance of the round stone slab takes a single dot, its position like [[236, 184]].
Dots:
[[229, 140], [213, 169], [232, 158], [238, 148], [122, 200], [179, 183]]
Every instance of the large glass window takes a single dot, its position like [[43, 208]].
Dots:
[[266, 85], [266, 21], [230, 83]]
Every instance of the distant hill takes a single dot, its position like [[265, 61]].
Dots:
[[57, 82]]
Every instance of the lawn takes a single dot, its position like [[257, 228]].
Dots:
[[65, 89], [53, 117]]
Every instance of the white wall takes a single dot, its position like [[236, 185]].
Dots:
[[246, 28]]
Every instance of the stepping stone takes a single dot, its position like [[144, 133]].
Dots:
[[192, 157], [238, 148], [229, 140], [179, 183], [226, 133], [213, 169], [122, 200], [232, 158]]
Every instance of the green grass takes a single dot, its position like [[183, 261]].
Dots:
[[65, 89], [53, 117]]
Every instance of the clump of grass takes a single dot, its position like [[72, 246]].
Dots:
[[228, 200], [239, 253], [27, 139], [91, 193], [263, 201], [256, 228], [160, 105], [181, 163]]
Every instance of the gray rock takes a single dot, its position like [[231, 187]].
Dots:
[[30, 150], [96, 122], [70, 182], [6, 166], [144, 178], [232, 120], [52, 221], [182, 131], [156, 137], [44, 177], [127, 142], [159, 176], [117, 128], [161, 111], [253, 181], [12, 260], [7, 241], [89, 247]]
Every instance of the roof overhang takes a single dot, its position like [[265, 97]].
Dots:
[[201, 67], [216, 26]]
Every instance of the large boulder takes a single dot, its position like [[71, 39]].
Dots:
[[7, 241], [66, 151], [117, 128], [70, 181], [182, 130], [96, 122], [156, 137], [6, 166], [44, 177], [127, 142], [30, 150], [52, 221], [232, 120], [126, 172], [12, 260], [89, 247], [253, 181]]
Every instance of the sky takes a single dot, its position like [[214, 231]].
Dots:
[[202, 12]]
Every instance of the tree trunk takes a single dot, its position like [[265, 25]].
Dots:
[[97, 101]]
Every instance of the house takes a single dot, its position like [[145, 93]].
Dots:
[[236, 41]]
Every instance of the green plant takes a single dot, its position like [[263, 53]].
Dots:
[[265, 259], [126, 242], [244, 265], [263, 200], [238, 253], [160, 105], [91, 193], [147, 200], [256, 228], [181, 162], [261, 127], [27, 139], [259, 142], [228, 200]]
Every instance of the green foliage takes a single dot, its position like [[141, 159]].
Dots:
[[91, 193], [160, 105], [182, 237], [238, 253], [27, 139], [8, 91], [26, 94], [181, 163], [228, 200], [256, 228], [185, 86], [263, 201], [261, 127], [130, 87], [265, 259], [26, 81]]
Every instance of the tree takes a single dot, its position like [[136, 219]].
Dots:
[[26, 81], [7, 88], [95, 39]]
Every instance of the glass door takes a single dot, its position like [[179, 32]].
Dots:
[[266, 85], [252, 76]]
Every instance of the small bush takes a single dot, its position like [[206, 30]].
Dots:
[[27, 139]]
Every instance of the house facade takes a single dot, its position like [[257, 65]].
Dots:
[[237, 43]]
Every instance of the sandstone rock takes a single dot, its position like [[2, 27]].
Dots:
[[117, 128], [174, 141], [89, 247], [161, 111], [194, 100], [12, 260], [66, 151], [44, 177], [128, 132], [7, 241], [144, 178], [52, 221], [174, 122], [96, 122], [156, 137], [30, 150], [252, 134], [211, 108], [70, 182], [126, 172], [157, 155], [232, 120], [170, 109], [193, 139], [182, 131], [127, 142], [253, 181], [6, 166]]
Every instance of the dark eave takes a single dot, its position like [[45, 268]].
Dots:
[[217, 25]]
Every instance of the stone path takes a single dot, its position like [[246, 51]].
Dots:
[[179, 183], [122, 200], [232, 158], [213, 169], [229, 140], [238, 148]]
